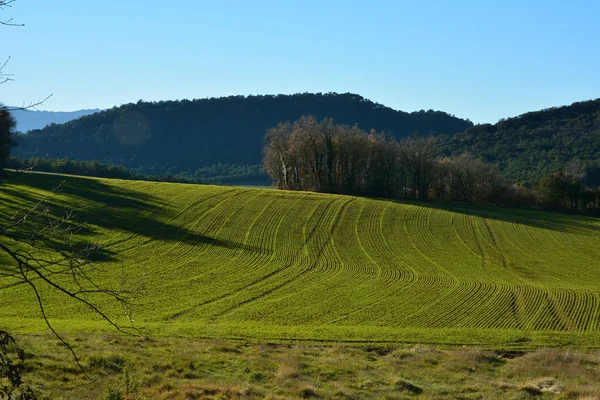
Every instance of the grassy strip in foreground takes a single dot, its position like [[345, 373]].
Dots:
[[217, 369]]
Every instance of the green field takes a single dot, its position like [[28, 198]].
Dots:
[[268, 265]]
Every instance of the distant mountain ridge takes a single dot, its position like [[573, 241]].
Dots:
[[38, 119], [186, 135]]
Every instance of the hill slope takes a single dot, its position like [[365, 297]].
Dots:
[[175, 136], [533, 144], [260, 263]]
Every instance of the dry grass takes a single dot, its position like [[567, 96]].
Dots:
[[210, 369]]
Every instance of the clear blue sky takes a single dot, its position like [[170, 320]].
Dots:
[[482, 60]]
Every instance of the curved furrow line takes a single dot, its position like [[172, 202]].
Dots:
[[532, 259], [230, 292], [516, 235], [479, 253], [519, 295], [260, 251], [229, 264], [426, 239], [578, 309], [594, 319], [302, 271], [346, 245], [398, 284], [590, 320], [531, 302], [228, 231], [438, 240], [213, 243], [491, 259], [377, 270], [436, 313], [405, 274], [556, 322], [315, 258], [407, 294], [542, 317], [376, 247], [563, 301], [490, 308], [201, 240], [505, 262], [568, 248], [276, 269], [497, 312], [265, 237], [172, 237], [423, 294], [462, 311], [428, 260], [310, 277], [511, 242], [591, 234], [465, 264], [578, 306], [151, 250], [247, 233], [176, 210], [331, 260], [125, 237]]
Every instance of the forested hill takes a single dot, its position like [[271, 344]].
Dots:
[[176, 136], [536, 143]]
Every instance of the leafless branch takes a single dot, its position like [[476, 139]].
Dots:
[[7, 3], [47, 249], [31, 106], [4, 78]]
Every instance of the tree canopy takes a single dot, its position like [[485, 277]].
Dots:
[[527, 147], [7, 126]]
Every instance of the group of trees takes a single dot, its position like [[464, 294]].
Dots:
[[90, 168], [566, 191], [321, 156]]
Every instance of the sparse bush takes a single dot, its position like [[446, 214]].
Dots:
[[406, 386], [114, 394], [308, 393], [112, 363]]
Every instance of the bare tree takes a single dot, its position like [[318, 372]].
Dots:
[[420, 158]]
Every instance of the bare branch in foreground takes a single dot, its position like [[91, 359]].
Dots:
[[47, 250]]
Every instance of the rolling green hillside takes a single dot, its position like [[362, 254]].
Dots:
[[277, 265]]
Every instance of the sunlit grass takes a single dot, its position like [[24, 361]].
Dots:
[[223, 262]]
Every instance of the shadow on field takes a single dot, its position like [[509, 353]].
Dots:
[[560, 222], [113, 207]]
